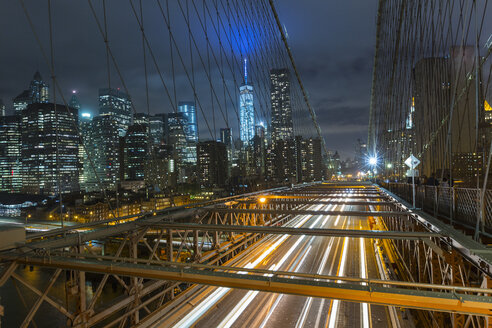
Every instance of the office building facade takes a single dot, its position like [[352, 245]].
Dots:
[[103, 146], [49, 149], [10, 148], [282, 127], [136, 151], [118, 104], [212, 164], [38, 92]]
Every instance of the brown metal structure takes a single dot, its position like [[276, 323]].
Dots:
[[153, 258]]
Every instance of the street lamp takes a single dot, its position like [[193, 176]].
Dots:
[[262, 200], [373, 161]]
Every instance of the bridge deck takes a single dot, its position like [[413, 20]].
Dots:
[[312, 257]]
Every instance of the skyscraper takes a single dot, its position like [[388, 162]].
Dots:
[[85, 120], [162, 117], [212, 164], [2, 108], [190, 130], [260, 131], [309, 162], [49, 150], [21, 102], [140, 118], [118, 104], [159, 169], [281, 161], [103, 148], [156, 130], [257, 150], [74, 101], [182, 154], [136, 151], [38, 89], [188, 108], [226, 139], [38, 92], [176, 123], [282, 125], [10, 145], [246, 110]]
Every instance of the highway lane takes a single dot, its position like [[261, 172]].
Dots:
[[34, 225], [355, 257]]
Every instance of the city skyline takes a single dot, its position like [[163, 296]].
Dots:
[[337, 104], [235, 163], [46, 147]]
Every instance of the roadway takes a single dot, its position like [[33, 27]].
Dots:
[[34, 225], [206, 306]]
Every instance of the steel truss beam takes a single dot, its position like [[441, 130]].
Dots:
[[475, 252], [321, 195], [314, 202], [427, 249], [312, 212], [166, 211], [374, 291], [331, 192], [372, 194], [378, 234]]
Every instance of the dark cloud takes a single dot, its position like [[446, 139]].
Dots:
[[332, 42]]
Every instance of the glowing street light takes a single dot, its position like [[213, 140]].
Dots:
[[262, 200], [373, 161], [389, 165]]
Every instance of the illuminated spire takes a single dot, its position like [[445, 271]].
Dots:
[[245, 71]]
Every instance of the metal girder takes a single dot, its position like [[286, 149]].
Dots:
[[80, 237], [337, 190], [166, 211], [347, 291], [311, 212], [320, 195], [378, 234], [172, 213], [7, 272], [40, 300], [373, 194], [47, 299], [314, 202], [475, 252]]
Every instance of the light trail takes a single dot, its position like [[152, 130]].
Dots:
[[279, 298], [383, 274], [334, 312], [229, 320], [210, 301], [253, 308], [363, 269]]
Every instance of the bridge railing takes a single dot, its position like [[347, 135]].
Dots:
[[458, 205]]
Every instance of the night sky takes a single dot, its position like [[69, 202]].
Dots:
[[332, 42]]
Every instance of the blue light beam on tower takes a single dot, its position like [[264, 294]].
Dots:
[[245, 71]]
